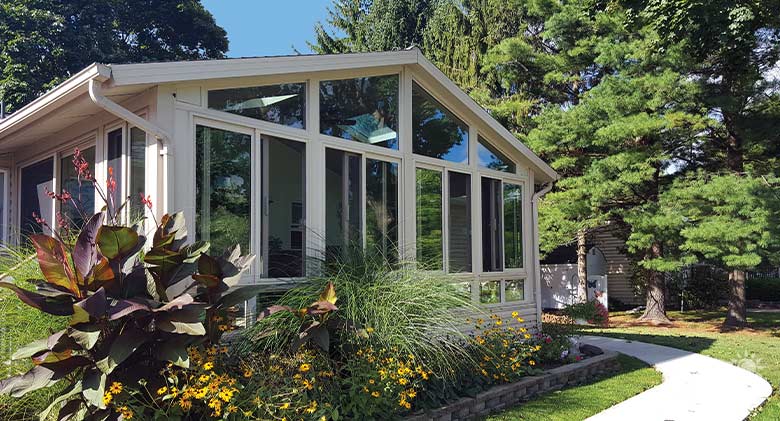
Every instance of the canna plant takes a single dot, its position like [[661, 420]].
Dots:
[[132, 310]]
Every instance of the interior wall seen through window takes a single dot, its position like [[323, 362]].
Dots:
[[114, 154], [362, 109], [382, 208], [492, 253], [223, 188], [281, 104], [286, 191], [137, 173], [436, 132], [343, 201], [36, 180], [429, 205], [459, 223]]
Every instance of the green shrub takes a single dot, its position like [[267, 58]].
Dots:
[[417, 312], [702, 287], [592, 312], [764, 289]]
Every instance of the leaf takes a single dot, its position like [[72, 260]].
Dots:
[[272, 310], [51, 356], [94, 386], [186, 321], [240, 294], [73, 390], [40, 376], [124, 307], [116, 242], [122, 347], [58, 306], [321, 307], [163, 257], [102, 271], [53, 258], [208, 265], [72, 410], [85, 253], [30, 349], [177, 303], [85, 334], [175, 350], [93, 307], [329, 294]]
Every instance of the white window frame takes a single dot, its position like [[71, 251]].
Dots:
[[4, 198]]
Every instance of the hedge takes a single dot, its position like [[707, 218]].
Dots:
[[763, 289]]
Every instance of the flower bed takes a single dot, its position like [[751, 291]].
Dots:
[[506, 395]]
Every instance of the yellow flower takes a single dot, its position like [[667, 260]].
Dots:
[[208, 366], [307, 384], [375, 394], [285, 405], [371, 381], [201, 393], [203, 378], [370, 330], [185, 404], [312, 407], [411, 393], [248, 373], [231, 409], [126, 412], [304, 368], [161, 391], [499, 322], [107, 398], [532, 362], [214, 403], [402, 381], [515, 314], [116, 388]]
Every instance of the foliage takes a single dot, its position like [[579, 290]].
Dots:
[[409, 309], [504, 352], [46, 41], [704, 287], [128, 313], [554, 347], [591, 311], [763, 289]]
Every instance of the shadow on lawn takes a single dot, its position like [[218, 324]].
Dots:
[[767, 322]]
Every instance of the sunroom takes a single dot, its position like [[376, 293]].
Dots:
[[294, 158]]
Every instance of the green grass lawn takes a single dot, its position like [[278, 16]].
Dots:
[[700, 331], [581, 402]]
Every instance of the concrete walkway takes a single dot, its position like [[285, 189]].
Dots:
[[695, 387]]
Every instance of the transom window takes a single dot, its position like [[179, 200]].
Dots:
[[489, 157], [363, 109], [436, 132], [281, 104]]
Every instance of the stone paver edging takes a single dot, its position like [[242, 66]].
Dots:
[[695, 387], [510, 394]]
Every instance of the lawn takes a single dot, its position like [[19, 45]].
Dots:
[[581, 402], [757, 347]]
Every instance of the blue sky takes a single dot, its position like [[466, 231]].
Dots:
[[268, 27]]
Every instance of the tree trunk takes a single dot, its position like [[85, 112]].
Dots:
[[655, 307], [582, 267], [737, 315]]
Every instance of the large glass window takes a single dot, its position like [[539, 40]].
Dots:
[[286, 192], [36, 180], [459, 224], [83, 192], [429, 219], [382, 208], [490, 292], [492, 258], [342, 202], [137, 173], [223, 183], [115, 149], [436, 132], [363, 109], [282, 104], [489, 157], [513, 225]]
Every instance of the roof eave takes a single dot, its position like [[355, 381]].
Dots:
[[67, 90]]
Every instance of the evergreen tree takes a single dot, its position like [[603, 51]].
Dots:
[[43, 42]]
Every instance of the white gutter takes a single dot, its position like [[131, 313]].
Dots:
[[538, 269], [96, 94]]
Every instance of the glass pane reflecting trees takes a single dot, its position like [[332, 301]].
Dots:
[[436, 132], [363, 109], [36, 179], [489, 157], [492, 254], [382, 208], [223, 188], [83, 192], [513, 225], [429, 219], [342, 203], [137, 172], [282, 104]]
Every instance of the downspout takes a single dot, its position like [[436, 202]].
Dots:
[[538, 267], [96, 94]]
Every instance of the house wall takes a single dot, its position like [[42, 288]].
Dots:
[[619, 266], [182, 106], [86, 133]]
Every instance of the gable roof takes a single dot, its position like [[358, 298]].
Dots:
[[126, 78]]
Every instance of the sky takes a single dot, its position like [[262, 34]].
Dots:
[[268, 27]]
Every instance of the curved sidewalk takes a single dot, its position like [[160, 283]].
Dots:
[[695, 387]]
